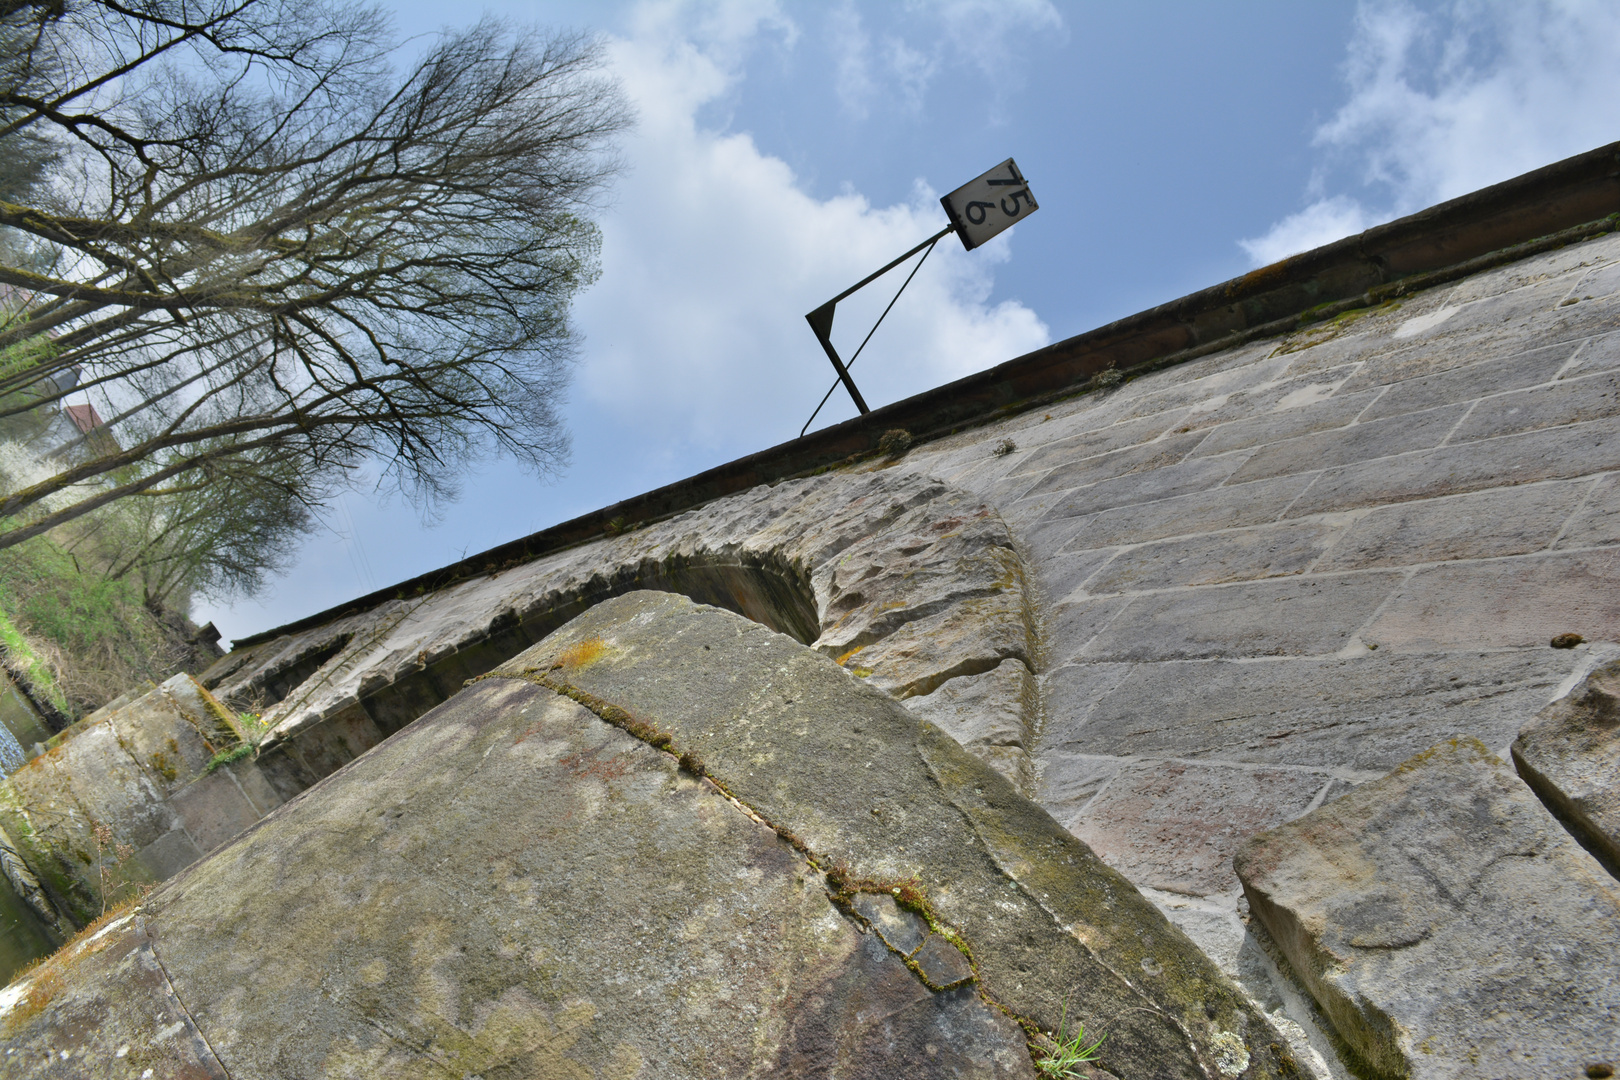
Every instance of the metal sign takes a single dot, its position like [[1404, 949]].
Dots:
[[986, 206], [978, 210]]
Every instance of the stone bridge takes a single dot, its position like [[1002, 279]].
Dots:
[[1251, 594]]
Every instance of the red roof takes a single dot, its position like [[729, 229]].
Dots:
[[84, 417]]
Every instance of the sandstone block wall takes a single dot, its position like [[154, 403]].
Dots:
[[1180, 609], [1210, 599], [1447, 924], [1271, 575], [1570, 755], [1290, 567]]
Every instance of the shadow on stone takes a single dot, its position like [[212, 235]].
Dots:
[[525, 883]]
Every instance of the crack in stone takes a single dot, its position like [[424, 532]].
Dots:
[[840, 888], [168, 981], [1148, 1006]]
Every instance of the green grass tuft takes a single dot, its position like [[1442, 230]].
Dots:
[[1069, 1051], [230, 754]]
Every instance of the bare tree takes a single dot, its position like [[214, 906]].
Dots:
[[261, 249], [241, 520]]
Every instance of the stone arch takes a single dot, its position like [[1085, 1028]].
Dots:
[[906, 581]]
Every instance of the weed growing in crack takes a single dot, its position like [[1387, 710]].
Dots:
[[229, 755], [895, 442], [252, 725], [104, 839], [1066, 1051]]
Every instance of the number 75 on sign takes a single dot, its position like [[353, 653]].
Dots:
[[983, 207]]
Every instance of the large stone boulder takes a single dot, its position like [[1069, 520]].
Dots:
[[665, 842], [1446, 923], [1570, 755]]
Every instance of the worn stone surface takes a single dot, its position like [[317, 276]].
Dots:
[[72, 1018], [1165, 480], [1065, 573], [126, 797], [1404, 477], [901, 576], [1237, 555], [1116, 471], [1102, 440], [940, 963], [1505, 602], [1552, 454], [1358, 466], [967, 639], [927, 566], [1391, 582], [1472, 381], [989, 715], [419, 913], [1174, 825], [1073, 625], [1569, 401], [1570, 755], [1358, 442], [1206, 512], [434, 909], [1596, 354], [1308, 416], [1071, 781], [1299, 616], [860, 785], [1446, 922], [1365, 714], [1483, 525], [1597, 522]]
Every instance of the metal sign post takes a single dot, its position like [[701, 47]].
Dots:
[[977, 210]]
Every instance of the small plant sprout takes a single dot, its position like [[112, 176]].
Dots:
[[105, 839], [1065, 1051], [895, 442], [230, 754]]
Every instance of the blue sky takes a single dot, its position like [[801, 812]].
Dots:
[[785, 150]]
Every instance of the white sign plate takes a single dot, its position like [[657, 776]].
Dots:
[[983, 207]]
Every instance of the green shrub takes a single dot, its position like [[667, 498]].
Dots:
[[81, 637], [27, 665]]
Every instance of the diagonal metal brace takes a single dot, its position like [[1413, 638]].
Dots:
[[821, 321]]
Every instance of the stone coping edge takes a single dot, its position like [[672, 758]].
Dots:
[[1559, 204]]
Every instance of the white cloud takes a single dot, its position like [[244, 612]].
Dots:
[[1442, 103], [1322, 222], [853, 47], [992, 31], [911, 71], [713, 253], [984, 35]]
